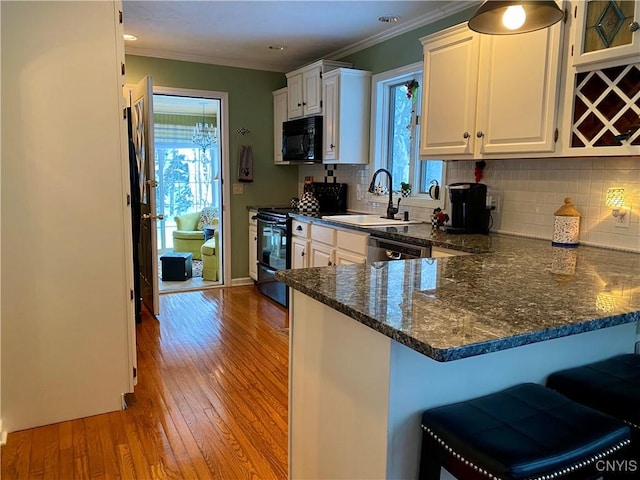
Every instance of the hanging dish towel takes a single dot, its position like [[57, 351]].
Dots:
[[245, 164]]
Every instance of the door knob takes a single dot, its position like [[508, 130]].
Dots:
[[152, 183], [148, 216]]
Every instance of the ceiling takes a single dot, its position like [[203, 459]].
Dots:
[[238, 33]]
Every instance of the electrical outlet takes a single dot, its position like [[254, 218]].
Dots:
[[238, 189], [622, 221]]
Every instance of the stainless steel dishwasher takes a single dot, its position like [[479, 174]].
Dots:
[[385, 250]]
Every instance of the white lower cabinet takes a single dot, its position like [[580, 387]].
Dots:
[[299, 252], [351, 247], [314, 245], [323, 240], [300, 244]]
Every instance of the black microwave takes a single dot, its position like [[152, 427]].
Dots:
[[302, 140]]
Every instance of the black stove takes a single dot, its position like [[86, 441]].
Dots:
[[274, 237]]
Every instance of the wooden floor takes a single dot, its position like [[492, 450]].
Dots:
[[211, 401]]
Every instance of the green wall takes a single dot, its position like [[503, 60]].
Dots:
[[251, 107], [404, 49]]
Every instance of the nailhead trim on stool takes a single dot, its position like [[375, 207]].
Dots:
[[550, 476]]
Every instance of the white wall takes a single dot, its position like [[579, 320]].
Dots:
[[530, 191], [65, 240]]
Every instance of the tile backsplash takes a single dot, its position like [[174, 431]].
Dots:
[[528, 192]]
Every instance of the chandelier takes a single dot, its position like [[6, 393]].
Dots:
[[204, 134]]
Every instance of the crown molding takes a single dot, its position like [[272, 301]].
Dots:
[[186, 57], [410, 25], [413, 24]]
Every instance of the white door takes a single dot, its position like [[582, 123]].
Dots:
[[141, 119]]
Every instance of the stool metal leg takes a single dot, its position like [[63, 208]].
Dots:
[[431, 458]]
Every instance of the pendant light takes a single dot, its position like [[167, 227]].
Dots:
[[508, 18]]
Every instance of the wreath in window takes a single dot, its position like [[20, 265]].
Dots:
[[412, 88]]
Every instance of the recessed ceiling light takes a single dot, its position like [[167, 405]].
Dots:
[[277, 47], [388, 18], [129, 37]]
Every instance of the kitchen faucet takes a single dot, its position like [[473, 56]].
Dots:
[[391, 210]]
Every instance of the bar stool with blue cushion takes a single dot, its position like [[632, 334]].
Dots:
[[524, 432], [611, 386]]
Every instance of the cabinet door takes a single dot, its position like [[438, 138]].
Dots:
[[279, 115], [347, 258], [331, 85], [321, 255], [253, 252], [299, 252], [449, 95], [518, 92], [294, 95], [312, 91], [606, 32]]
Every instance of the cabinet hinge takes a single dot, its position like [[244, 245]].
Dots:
[[124, 113], [575, 12], [131, 294], [566, 16], [572, 50], [128, 199], [417, 119], [135, 372], [320, 74], [555, 136], [320, 103], [120, 16], [122, 69]]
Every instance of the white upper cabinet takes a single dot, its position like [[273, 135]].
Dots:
[[347, 108], [450, 76], [488, 96], [305, 88], [279, 116], [606, 32]]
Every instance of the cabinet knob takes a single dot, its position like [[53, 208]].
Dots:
[[331, 146], [299, 104], [479, 134], [633, 26], [302, 253], [304, 103], [255, 238], [299, 228], [465, 135], [329, 263]]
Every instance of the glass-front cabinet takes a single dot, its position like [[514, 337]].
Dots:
[[605, 30]]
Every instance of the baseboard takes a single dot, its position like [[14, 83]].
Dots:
[[241, 281]]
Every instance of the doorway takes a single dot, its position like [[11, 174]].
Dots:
[[191, 157]]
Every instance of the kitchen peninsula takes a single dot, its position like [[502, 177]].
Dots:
[[372, 346]]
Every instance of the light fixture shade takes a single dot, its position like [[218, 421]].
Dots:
[[615, 197], [539, 14]]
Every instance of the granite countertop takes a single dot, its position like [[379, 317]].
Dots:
[[520, 291], [418, 234]]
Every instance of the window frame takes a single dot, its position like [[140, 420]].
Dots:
[[380, 129]]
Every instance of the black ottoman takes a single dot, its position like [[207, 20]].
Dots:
[[176, 266], [611, 386], [524, 432]]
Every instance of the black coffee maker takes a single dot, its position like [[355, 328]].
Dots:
[[469, 212]]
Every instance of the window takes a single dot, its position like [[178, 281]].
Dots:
[[395, 134]]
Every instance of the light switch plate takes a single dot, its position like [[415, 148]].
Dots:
[[238, 189]]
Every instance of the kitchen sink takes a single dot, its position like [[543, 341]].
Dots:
[[368, 220]]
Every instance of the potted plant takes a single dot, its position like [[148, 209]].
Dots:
[[405, 189]]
